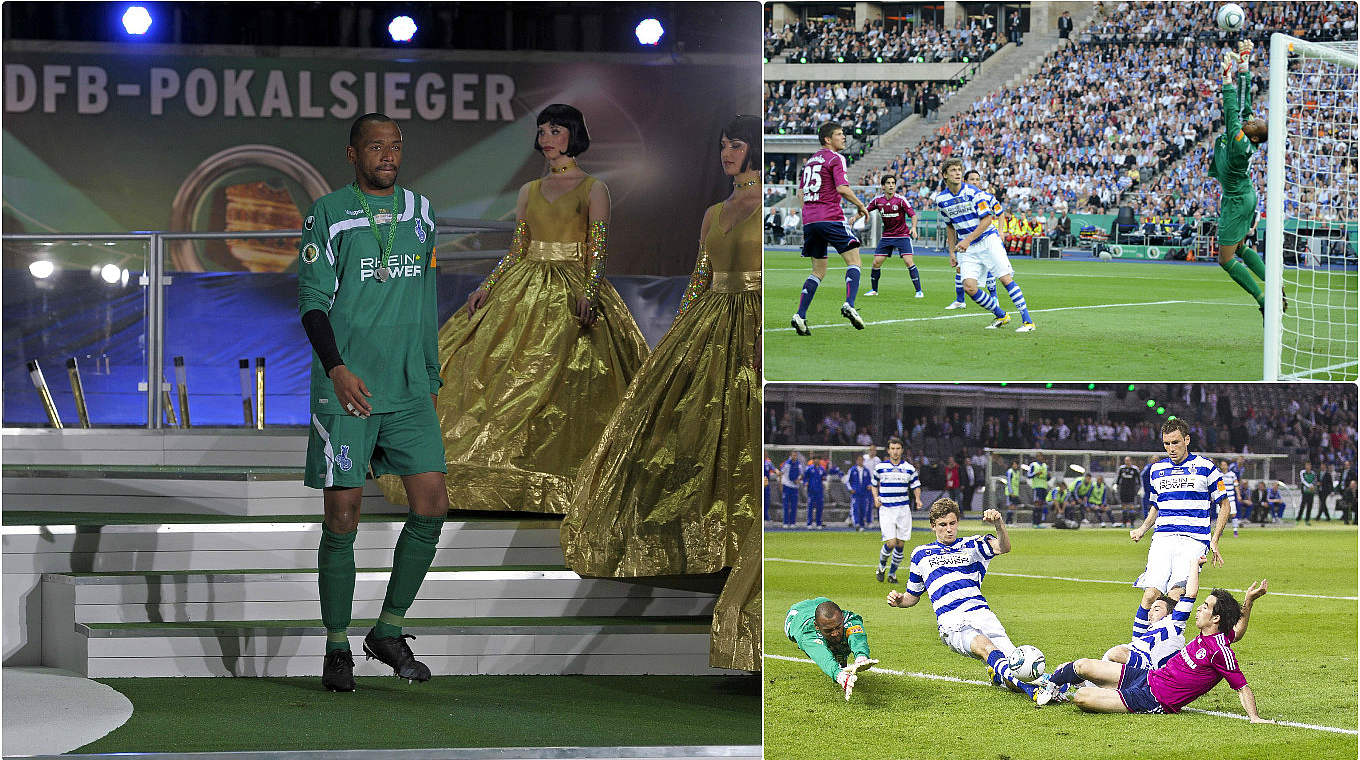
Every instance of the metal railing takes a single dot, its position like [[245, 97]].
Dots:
[[154, 279]]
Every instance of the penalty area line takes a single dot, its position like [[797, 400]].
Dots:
[[952, 679], [971, 314], [1053, 578]]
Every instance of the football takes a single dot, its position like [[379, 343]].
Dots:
[[1230, 17], [1027, 662]]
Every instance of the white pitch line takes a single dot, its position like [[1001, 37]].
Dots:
[[970, 314], [952, 679], [1054, 578], [1027, 275]]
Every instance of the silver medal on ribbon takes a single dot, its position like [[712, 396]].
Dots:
[[382, 274]]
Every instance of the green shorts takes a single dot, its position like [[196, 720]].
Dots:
[[341, 447], [1235, 215]]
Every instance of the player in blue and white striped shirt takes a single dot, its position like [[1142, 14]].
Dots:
[[1184, 490], [1163, 628], [896, 488], [950, 569], [974, 244]]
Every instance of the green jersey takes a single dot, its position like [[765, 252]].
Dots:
[[1082, 490], [1013, 481], [1057, 496], [382, 309], [1038, 475], [1232, 150], [1308, 481], [800, 627], [1098, 492]]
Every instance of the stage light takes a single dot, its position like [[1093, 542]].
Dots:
[[649, 31], [42, 269], [1090, 386], [1161, 410], [402, 29], [1131, 386], [136, 20], [803, 59], [840, 59], [1151, 403], [110, 273], [1048, 385]]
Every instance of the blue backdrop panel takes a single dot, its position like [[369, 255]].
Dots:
[[213, 321]]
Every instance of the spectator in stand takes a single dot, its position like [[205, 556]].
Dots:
[[1065, 25], [953, 485]]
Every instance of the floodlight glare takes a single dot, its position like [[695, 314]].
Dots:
[[402, 29], [649, 31], [111, 273], [136, 20], [41, 269]]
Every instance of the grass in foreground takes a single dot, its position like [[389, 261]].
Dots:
[[1299, 654], [1096, 320]]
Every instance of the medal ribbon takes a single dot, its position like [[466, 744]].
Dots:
[[373, 224]]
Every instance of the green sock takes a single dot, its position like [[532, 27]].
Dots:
[[335, 576], [1240, 275], [411, 560], [1254, 262]]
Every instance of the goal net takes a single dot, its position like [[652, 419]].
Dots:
[[1311, 237]]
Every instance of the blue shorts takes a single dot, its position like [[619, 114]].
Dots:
[[887, 245], [817, 235], [1135, 691]]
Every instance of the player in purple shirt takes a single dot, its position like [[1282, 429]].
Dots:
[[897, 233], [1187, 676], [823, 184]]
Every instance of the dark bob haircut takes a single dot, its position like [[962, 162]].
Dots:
[[748, 130], [567, 117]]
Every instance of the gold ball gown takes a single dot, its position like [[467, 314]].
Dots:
[[527, 390], [671, 487]]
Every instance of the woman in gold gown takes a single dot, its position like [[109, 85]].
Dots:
[[535, 365], [671, 487]]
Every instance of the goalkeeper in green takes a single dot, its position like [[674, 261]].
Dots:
[[1231, 167], [830, 636]]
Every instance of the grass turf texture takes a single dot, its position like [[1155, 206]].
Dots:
[[1299, 654], [1096, 320], [222, 714]]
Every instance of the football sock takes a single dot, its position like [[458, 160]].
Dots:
[[851, 284], [988, 302], [1140, 621], [915, 277], [1065, 674], [991, 285], [1254, 262], [896, 561], [335, 577], [410, 562], [1242, 276], [958, 287], [873, 278], [883, 555], [1018, 298], [997, 661], [809, 290]]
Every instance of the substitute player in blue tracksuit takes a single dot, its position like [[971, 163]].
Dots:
[[790, 475], [859, 479]]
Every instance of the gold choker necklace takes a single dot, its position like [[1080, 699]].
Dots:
[[563, 170], [749, 183]]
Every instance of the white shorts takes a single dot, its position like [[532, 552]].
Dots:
[[1170, 560], [895, 523], [959, 634], [983, 256]]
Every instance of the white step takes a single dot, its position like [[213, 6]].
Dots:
[[674, 648], [291, 596]]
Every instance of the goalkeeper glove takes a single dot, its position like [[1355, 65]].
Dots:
[[1230, 60], [846, 678], [1244, 51]]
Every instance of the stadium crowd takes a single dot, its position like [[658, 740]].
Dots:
[[1128, 114], [836, 41]]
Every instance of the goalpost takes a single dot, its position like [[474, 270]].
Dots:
[[1311, 196]]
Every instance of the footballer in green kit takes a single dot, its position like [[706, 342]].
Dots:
[[1231, 166], [831, 637], [366, 293]]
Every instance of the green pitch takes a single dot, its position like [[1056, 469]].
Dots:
[[1299, 654], [1114, 320]]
